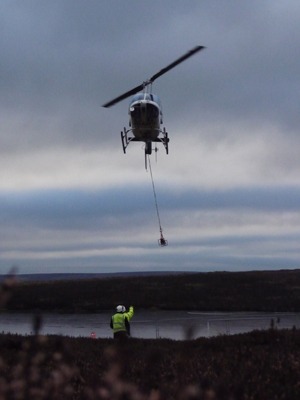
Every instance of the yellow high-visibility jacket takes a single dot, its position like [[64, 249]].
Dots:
[[120, 321]]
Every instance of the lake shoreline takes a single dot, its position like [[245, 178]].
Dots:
[[149, 324]]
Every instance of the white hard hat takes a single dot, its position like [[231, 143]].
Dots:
[[120, 309]]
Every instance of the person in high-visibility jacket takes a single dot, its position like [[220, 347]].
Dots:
[[120, 322]]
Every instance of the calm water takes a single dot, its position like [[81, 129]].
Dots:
[[152, 324]]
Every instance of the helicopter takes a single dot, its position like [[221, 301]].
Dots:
[[145, 111]]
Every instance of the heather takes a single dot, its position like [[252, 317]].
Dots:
[[257, 365]]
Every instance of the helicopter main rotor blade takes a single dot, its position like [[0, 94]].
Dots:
[[176, 62], [124, 96], [152, 79]]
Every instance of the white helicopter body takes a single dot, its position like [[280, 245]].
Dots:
[[145, 112]]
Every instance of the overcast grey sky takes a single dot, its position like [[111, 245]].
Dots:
[[228, 192]]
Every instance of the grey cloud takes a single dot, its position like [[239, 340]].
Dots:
[[61, 60], [57, 52], [134, 199]]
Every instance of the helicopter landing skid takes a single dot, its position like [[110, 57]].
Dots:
[[165, 140], [126, 140]]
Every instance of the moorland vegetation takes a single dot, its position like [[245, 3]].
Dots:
[[256, 365], [259, 365], [216, 291]]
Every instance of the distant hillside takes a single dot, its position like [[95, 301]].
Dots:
[[214, 291], [75, 276]]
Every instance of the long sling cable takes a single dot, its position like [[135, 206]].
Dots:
[[162, 241]]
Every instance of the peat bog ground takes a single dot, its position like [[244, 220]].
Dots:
[[258, 365]]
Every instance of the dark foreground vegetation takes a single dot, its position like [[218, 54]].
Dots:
[[222, 291], [258, 365]]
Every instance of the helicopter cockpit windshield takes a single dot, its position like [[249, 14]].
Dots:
[[147, 97]]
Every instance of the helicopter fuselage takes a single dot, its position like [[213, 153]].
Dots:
[[145, 119], [145, 116], [145, 112]]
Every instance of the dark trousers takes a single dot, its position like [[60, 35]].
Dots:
[[121, 335]]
